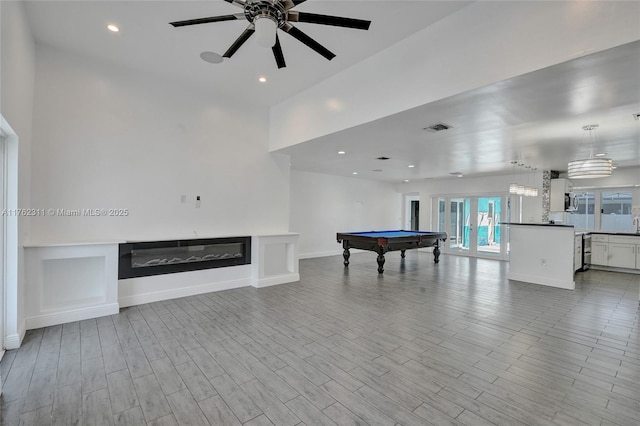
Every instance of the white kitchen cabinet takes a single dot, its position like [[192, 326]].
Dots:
[[577, 255], [616, 251], [622, 255], [599, 253]]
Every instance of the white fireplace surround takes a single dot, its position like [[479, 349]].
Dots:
[[78, 281]]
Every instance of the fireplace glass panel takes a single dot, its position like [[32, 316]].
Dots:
[[139, 259], [149, 257]]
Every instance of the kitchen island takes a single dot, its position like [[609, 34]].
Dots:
[[542, 253]]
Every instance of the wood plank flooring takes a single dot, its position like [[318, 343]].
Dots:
[[449, 344]]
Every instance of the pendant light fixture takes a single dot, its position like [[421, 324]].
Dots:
[[519, 189], [513, 187], [592, 167]]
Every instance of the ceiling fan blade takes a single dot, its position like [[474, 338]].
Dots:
[[296, 33], [277, 53], [239, 41], [239, 3], [338, 21], [289, 4], [208, 20]]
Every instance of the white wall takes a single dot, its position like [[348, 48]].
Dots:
[[532, 206], [485, 185], [621, 177], [322, 205], [485, 42], [108, 138], [17, 59]]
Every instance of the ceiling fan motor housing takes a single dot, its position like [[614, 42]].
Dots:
[[271, 9]]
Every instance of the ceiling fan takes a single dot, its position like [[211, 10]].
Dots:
[[267, 16]]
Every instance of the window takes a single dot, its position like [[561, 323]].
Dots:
[[441, 206], [584, 216], [615, 212]]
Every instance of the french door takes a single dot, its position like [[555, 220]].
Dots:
[[473, 225]]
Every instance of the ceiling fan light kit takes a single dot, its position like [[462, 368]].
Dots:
[[265, 17], [592, 167], [266, 28]]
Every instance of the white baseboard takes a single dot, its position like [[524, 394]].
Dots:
[[71, 315], [275, 280], [614, 269], [13, 341], [156, 296], [328, 253], [549, 282]]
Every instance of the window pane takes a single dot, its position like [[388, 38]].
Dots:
[[616, 211], [584, 217], [441, 208]]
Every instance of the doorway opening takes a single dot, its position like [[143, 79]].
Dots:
[[412, 212]]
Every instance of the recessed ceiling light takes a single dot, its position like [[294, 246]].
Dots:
[[411, 166], [406, 181], [354, 173], [113, 28], [341, 152], [601, 154], [262, 79]]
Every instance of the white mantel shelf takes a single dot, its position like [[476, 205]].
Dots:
[[72, 244], [542, 254]]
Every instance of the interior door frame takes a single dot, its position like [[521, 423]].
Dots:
[[12, 331], [3, 240], [408, 198]]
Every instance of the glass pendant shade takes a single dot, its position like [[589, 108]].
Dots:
[[590, 168], [513, 188], [266, 29]]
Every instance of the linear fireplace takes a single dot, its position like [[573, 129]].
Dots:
[[146, 258]]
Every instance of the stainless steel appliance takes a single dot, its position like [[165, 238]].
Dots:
[[586, 251]]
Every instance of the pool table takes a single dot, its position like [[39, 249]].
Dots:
[[384, 241]]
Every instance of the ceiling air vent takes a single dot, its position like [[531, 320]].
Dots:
[[383, 158], [438, 127]]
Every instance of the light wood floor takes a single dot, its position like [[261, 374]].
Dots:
[[447, 344]]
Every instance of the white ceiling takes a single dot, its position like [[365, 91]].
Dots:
[[536, 118], [146, 42]]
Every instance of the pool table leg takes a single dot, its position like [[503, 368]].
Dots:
[[402, 253], [436, 254], [346, 254], [380, 261]]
